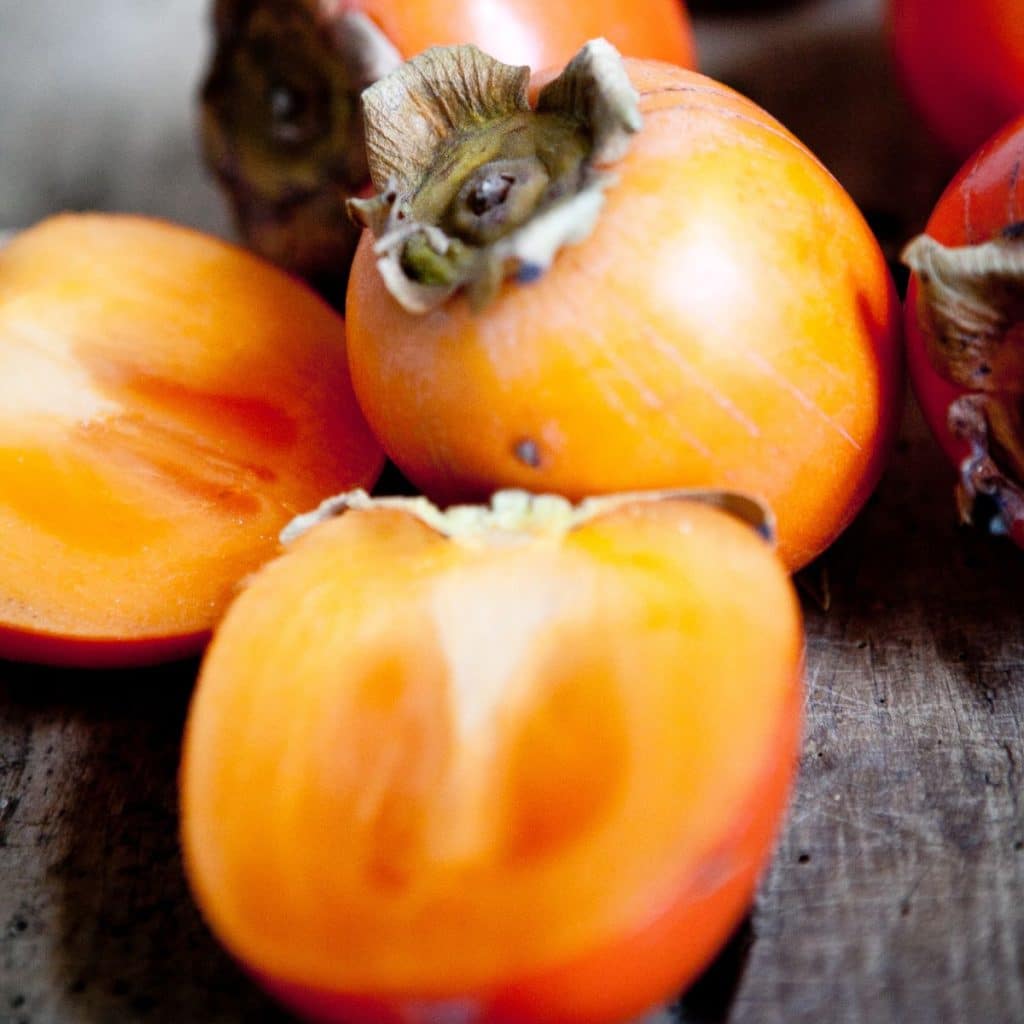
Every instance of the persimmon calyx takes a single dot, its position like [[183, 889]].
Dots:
[[281, 100], [970, 309], [473, 185], [513, 513]]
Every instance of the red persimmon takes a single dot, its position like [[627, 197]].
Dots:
[[965, 329], [963, 65]]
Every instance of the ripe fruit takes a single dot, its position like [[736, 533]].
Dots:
[[723, 316], [963, 65], [169, 402], [512, 765], [965, 330]]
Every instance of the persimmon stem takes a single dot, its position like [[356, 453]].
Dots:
[[473, 185]]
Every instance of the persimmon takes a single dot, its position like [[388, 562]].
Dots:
[[512, 764], [965, 330], [169, 402], [962, 64], [720, 315], [281, 122]]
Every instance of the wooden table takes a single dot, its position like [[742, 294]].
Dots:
[[896, 891]]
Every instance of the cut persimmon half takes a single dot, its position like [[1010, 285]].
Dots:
[[522, 763], [167, 403]]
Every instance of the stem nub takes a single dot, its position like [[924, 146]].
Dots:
[[473, 185]]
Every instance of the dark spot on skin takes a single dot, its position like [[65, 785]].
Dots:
[[390, 197], [804, 858], [1014, 231], [527, 452], [529, 272]]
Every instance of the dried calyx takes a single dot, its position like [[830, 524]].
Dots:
[[970, 310], [282, 126], [473, 184], [514, 513]]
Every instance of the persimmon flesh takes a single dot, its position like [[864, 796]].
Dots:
[[522, 773], [168, 403], [729, 321]]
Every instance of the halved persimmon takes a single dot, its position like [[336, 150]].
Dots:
[[520, 764], [168, 402]]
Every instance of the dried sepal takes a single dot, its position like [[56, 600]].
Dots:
[[474, 186], [412, 113], [520, 512], [971, 310], [991, 427], [595, 88]]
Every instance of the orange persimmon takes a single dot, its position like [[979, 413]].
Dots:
[[729, 321], [168, 403], [521, 764]]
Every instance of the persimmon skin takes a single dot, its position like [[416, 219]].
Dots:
[[568, 833], [730, 322], [169, 403], [534, 32], [984, 198], [962, 65]]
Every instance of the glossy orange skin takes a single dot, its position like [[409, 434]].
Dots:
[[532, 32], [531, 780], [962, 64], [729, 323], [169, 403], [985, 197]]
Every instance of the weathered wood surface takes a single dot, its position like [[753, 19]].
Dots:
[[896, 892]]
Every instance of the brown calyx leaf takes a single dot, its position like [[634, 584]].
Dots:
[[474, 186], [971, 310]]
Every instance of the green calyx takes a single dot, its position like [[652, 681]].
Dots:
[[474, 185]]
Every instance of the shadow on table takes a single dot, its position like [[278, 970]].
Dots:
[[129, 944]]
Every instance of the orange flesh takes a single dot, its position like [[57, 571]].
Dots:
[[730, 322], [421, 769], [169, 403]]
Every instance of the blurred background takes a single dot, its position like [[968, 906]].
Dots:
[[98, 106]]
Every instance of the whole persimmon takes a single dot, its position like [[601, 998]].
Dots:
[[965, 330], [520, 764], [281, 123], [720, 314], [962, 64], [168, 403]]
